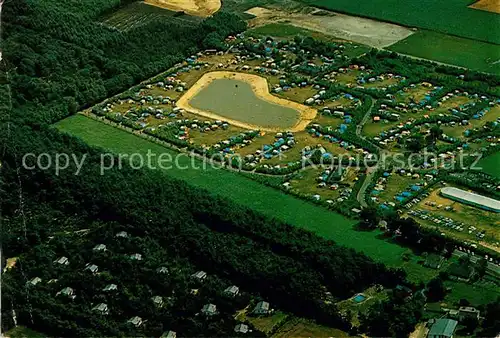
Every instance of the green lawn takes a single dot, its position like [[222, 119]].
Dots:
[[450, 16], [477, 294], [250, 193], [452, 50], [491, 164]]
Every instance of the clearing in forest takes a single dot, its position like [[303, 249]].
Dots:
[[243, 100], [202, 8]]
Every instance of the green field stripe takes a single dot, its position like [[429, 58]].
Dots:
[[244, 191], [490, 164], [476, 55], [450, 16]]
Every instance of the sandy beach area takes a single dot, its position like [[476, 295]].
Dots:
[[192, 7]]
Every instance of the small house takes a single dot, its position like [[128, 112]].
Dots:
[[101, 308], [169, 334], [99, 247], [262, 308], [136, 257], [35, 281], [468, 312], [121, 234], [200, 276], [91, 267], [110, 287], [241, 328], [136, 321], [162, 270], [62, 261], [157, 300], [209, 310], [232, 291], [67, 292]]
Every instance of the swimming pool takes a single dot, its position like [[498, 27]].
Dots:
[[359, 298]]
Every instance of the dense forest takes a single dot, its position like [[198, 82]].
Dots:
[[57, 59]]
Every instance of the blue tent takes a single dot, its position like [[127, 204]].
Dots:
[[383, 206], [400, 198], [386, 174], [267, 147], [416, 187], [375, 192], [406, 194]]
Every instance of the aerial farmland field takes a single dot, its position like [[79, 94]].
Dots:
[[141, 13], [453, 50], [491, 164], [448, 17]]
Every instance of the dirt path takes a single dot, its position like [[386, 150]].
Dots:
[[260, 88], [366, 31], [420, 331], [201, 8]]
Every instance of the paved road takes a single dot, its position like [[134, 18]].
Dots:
[[361, 197], [369, 174]]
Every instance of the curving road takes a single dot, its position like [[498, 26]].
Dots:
[[370, 171]]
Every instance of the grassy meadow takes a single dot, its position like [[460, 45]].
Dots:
[[453, 50], [490, 164], [252, 194]]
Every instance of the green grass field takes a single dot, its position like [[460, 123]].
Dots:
[[450, 16], [252, 194], [491, 164], [476, 55]]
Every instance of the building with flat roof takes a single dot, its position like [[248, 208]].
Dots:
[[471, 198], [442, 328]]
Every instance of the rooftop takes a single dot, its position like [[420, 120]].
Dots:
[[471, 197], [443, 328]]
